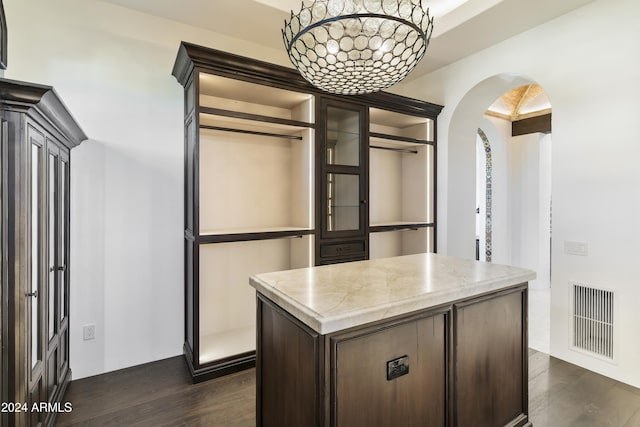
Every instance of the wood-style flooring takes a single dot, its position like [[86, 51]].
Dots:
[[161, 394]]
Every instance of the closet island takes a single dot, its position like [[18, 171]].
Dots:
[[421, 339]]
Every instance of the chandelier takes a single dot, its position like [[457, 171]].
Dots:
[[357, 46]]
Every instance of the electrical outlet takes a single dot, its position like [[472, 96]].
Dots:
[[89, 332]]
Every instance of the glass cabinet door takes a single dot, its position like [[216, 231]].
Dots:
[[343, 202], [343, 136], [344, 189]]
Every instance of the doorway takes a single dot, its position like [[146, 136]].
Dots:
[[510, 187], [523, 113]]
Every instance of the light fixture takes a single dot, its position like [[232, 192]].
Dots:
[[357, 46]]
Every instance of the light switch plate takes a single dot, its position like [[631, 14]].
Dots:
[[576, 248]]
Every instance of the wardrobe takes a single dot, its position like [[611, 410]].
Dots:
[[37, 132]]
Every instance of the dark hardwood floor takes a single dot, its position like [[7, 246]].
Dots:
[[562, 394], [161, 394]]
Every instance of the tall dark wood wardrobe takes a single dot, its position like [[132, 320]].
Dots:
[[37, 133], [279, 175]]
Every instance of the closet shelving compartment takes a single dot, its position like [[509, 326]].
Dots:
[[402, 183], [249, 156], [255, 213], [255, 160]]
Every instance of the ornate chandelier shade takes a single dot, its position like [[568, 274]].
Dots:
[[357, 46]]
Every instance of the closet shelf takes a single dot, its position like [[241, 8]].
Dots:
[[398, 150], [398, 225], [245, 235], [388, 137], [254, 117], [251, 132]]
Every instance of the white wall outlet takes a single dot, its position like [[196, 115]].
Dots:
[[576, 248], [89, 332]]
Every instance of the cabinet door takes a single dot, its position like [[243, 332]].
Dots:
[[342, 173], [53, 249], [55, 309], [394, 377], [490, 355], [62, 271], [35, 289]]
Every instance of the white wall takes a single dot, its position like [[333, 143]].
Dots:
[[112, 67], [529, 169], [585, 64]]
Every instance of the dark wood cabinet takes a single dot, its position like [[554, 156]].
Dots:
[[277, 177], [38, 133], [490, 353], [342, 214], [459, 364], [362, 382]]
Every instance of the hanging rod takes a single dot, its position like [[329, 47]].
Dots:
[[251, 132], [400, 150]]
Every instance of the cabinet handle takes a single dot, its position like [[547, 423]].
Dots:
[[58, 268], [364, 202], [32, 294]]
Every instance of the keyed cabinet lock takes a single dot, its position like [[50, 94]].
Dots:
[[397, 367]]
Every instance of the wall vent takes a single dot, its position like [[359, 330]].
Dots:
[[593, 320]]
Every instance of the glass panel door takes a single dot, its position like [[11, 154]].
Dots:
[[55, 238], [343, 207], [33, 288], [343, 137], [62, 300], [344, 160], [64, 239], [53, 226]]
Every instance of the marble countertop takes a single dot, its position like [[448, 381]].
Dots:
[[336, 297]]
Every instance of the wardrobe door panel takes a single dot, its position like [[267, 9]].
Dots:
[[35, 292], [62, 270]]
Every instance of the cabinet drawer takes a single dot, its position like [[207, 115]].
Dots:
[[342, 249]]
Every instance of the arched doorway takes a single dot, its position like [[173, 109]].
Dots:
[[512, 176]]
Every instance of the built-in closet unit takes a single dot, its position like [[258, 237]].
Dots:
[[37, 134], [277, 176]]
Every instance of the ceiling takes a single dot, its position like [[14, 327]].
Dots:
[[521, 103], [462, 27]]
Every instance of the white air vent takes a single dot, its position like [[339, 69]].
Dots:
[[593, 320]]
